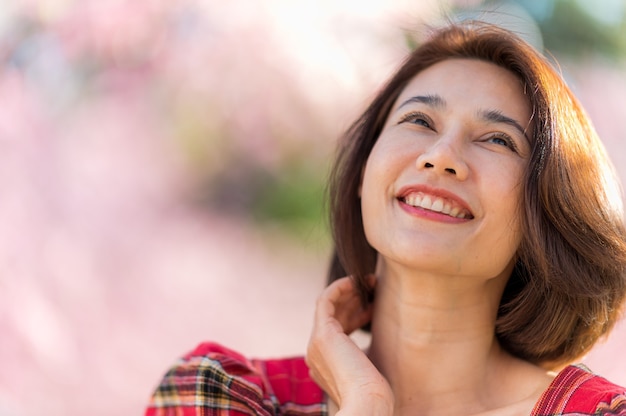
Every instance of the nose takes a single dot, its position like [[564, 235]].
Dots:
[[444, 157]]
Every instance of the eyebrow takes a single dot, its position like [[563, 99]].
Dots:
[[492, 116], [430, 100], [495, 116]]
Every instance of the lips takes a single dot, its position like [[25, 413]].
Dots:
[[436, 201]]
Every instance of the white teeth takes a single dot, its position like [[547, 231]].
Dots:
[[427, 203], [435, 204], [414, 200]]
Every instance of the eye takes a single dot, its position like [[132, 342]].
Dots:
[[502, 139], [417, 118]]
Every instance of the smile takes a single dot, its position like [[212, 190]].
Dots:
[[436, 204]]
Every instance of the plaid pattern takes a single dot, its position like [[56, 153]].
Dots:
[[213, 380], [576, 391]]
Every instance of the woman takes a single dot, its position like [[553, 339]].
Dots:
[[480, 222]]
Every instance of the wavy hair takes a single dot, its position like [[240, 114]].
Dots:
[[569, 283]]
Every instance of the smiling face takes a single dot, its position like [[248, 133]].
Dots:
[[442, 186]]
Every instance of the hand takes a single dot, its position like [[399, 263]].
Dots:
[[336, 363]]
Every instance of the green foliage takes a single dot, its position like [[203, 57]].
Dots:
[[294, 200], [289, 198], [570, 31]]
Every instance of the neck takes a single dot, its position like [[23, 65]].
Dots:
[[433, 338]]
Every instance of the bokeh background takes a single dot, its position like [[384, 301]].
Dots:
[[162, 166]]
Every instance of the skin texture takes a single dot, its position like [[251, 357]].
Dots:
[[457, 134], [487, 172]]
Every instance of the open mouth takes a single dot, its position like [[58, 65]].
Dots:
[[436, 204]]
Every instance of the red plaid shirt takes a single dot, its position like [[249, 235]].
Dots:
[[213, 380]]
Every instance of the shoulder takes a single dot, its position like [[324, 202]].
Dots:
[[213, 379], [576, 390]]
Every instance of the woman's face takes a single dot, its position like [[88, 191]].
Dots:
[[441, 188]]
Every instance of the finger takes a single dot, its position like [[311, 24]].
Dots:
[[338, 293], [333, 362], [340, 301]]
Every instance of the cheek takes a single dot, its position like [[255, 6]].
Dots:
[[510, 211], [372, 193], [369, 174], [504, 186], [367, 192], [378, 176], [388, 157]]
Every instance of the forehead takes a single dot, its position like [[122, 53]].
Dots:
[[471, 84]]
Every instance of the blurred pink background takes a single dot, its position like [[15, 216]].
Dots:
[[134, 136]]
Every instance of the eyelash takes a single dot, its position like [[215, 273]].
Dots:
[[414, 116], [509, 142]]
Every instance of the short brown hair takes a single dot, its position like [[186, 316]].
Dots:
[[568, 284]]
